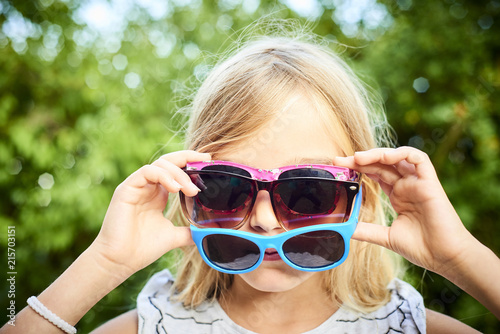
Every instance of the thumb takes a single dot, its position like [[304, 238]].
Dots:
[[176, 237], [372, 233]]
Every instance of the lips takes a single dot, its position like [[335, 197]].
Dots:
[[271, 255]]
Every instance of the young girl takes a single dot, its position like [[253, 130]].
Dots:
[[284, 111]]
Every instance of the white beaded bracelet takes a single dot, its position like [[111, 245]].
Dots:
[[41, 309]]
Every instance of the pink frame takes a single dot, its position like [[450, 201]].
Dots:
[[339, 173]]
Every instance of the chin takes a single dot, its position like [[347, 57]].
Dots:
[[275, 278]]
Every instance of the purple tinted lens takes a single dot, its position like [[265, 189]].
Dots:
[[299, 200], [222, 192], [315, 249], [309, 197], [223, 201], [230, 252], [310, 202]]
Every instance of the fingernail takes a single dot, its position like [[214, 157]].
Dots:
[[193, 187]]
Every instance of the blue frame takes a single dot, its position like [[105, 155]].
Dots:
[[345, 229]]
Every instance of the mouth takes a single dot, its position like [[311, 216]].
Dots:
[[271, 255]]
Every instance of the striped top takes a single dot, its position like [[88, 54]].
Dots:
[[404, 313]]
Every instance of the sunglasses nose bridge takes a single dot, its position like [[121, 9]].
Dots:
[[271, 244], [264, 185]]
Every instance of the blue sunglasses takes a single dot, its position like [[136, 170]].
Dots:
[[310, 248]]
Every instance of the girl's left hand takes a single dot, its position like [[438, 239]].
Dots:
[[427, 230]]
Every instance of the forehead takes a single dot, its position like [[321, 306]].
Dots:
[[296, 135]]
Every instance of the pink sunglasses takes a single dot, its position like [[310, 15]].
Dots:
[[301, 195]]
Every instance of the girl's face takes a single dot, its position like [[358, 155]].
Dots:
[[297, 136]]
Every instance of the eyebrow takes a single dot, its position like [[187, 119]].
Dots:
[[293, 161], [307, 161]]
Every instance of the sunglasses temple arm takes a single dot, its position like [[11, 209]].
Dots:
[[357, 207]]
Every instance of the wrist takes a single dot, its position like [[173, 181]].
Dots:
[[458, 267], [115, 273], [471, 271], [80, 287]]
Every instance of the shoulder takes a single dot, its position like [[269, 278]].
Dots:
[[443, 324], [123, 324], [404, 313], [158, 312]]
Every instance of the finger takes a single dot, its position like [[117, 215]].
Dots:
[[347, 162], [387, 156], [372, 156], [372, 233], [404, 168], [410, 154], [386, 188], [184, 181], [150, 174], [181, 158], [387, 174], [182, 237], [147, 184], [421, 161]]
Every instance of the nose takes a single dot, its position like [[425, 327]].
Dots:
[[262, 217]]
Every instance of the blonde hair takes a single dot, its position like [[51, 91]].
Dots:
[[244, 93]]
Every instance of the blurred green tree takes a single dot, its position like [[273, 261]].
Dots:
[[89, 93]]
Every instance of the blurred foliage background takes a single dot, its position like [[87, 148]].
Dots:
[[88, 92]]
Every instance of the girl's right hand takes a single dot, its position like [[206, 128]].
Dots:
[[427, 230], [135, 232]]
